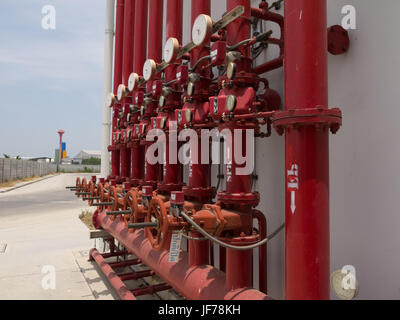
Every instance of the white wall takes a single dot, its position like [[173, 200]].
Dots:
[[365, 157]]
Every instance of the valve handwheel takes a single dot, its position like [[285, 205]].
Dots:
[[104, 197], [78, 185], [78, 182], [93, 191], [157, 236], [114, 199], [84, 185], [132, 204]]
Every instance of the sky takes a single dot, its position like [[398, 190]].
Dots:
[[51, 79]]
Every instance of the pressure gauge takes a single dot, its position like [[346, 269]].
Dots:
[[121, 92], [133, 81], [111, 100], [338, 282], [190, 89], [202, 29], [231, 70], [149, 69], [188, 115], [171, 50], [231, 102]]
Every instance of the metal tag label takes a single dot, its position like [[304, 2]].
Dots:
[[175, 248]]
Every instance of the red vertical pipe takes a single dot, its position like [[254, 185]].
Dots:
[[307, 151], [139, 57], [239, 269], [240, 30], [237, 183], [119, 41], [140, 35], [154, 51], [155, 30], [172, 173], [237, 31], [127, 68], [119, 31], [262, 252], [129, 26], [199, 251], [199, 176]]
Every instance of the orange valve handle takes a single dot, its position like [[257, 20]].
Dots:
[[158, 235], [132, 203]]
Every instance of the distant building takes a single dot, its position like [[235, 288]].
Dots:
[[42, 159], [86, 154]]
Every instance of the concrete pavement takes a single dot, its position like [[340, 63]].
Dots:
[[39, 225]]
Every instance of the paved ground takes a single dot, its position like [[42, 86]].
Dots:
[[39, 225]]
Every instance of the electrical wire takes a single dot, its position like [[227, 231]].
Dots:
[[192, 238], [226, 245]]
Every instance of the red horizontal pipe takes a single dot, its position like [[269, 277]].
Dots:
[[151, 289], [136, 275], [112, 277], [195, 283], [124, 264]]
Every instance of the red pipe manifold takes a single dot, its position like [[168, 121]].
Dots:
[[230, 104]]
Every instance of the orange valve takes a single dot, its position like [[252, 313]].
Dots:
[[93, 194], [139, 205], [104, 197], [84, 188], [77, 186], [117, 202], [133, 205], [158, 231]]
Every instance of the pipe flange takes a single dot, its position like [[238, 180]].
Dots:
[[203, 193], [242, 240], [136, 182], [318, 117], [153, 184], [170, 187], [247, 199]]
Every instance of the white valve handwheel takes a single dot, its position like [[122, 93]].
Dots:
[[202, 29], [149, 69], [171, 49]]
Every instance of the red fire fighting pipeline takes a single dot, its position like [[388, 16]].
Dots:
[[213, 84]]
